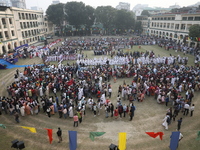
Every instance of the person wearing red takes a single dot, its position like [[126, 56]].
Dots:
[[116, 114]]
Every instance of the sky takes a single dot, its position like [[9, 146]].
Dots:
[[95, 3]]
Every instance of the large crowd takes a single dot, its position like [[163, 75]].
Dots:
[[69, 89]]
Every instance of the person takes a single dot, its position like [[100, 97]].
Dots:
[[79, 113], [107, 110], [59, 134], [75, 120], [120, 110], [71, 112], [48, 112], [124, 109], [116, 113], [110, 92], [186, 107], [65, 112], [166, 121], [95, 109], [179, 124], [111, 109], [132, 110], [60, 111], [191, 110], [180, 136], [16, 117]]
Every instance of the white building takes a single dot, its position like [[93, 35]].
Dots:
[[5, 3], [137, 9], [19, 3], [170, 25], [21, 26], [123, 5], [35, 8]]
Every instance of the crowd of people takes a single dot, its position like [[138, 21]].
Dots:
[[88, 86]]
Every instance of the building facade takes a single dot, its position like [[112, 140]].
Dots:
[[170, 25], [21, 26], [19, 3], [123, 5], [5, 3]]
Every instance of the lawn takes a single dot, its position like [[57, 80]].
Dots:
[[148, 118]]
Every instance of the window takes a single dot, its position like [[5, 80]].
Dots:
[[6, 34], [10, 20], [190, 18], [184, 18], [13, 33], [19, 15], [1, 35], [196, 18]]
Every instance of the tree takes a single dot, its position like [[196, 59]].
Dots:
[[55, 14], [75, 13], [124, 20], [194, 32], [106, 16], [90, 17], [138, 27], [145, 13]]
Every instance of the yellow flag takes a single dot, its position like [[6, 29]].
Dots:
[[122, 140], [29, 128]]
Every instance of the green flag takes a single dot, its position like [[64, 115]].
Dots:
[[198, 136], [93, 134], [3, 126]]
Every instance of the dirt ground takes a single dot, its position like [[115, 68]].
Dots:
[[148, 118]]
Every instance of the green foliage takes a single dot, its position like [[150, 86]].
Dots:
[[55, 14], [145, 13], [106, 16], [138, 27], [90, 17], [194, 31], [124, 20], [75, 13]]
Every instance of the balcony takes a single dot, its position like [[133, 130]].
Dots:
[[4, 26]]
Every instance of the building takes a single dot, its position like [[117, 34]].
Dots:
[[137, 9], [21, 26], [55, 2], [5, 3], [35, 8], [19, 3], [173, 26], [123, 5]]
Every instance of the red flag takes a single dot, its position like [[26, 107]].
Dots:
[[49, 132], [154, 135]]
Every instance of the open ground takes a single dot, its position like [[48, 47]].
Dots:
[[148, 118]]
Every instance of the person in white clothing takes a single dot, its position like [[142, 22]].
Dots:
[[165, 121]]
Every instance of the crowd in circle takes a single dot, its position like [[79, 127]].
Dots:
[[81, 86]]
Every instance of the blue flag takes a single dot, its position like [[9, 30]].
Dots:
[[174, 140], [72, 140]]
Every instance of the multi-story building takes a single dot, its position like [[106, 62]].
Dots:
[[19, 3], [5, 3], [123, 5], [21, 26], [173, 26]]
